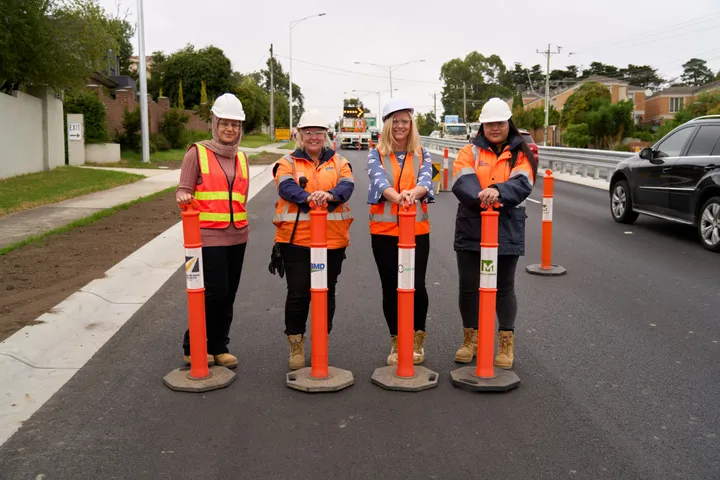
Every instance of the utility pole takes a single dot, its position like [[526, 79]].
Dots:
[[144, 121], [435, 105], [464, 105], [272, 95], [547, 53]]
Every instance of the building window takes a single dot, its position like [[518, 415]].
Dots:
[[676, 104]]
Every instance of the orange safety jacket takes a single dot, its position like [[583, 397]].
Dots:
[[219, 203], [384, 214], [324, 177]]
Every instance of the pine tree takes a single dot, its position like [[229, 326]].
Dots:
[[203, 94]]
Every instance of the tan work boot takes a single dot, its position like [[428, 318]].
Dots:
[[297, 351], [210, 360], [506, 346], [419, 351], [393, 357], [226, 360], [469, 347]]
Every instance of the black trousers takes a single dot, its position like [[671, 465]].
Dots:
[[385, 251], [297, 273], [469, 273], [221, 268]]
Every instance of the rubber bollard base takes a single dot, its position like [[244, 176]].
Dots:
[[338, 379], [179, 380], [466, 379], [424, 379], [553, 271]]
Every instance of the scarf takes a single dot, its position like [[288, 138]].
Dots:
[[218, 147]]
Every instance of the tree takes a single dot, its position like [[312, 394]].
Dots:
[[192, 67], [203, 94], [157, 77], [577, 136], [256, 103], [93, 110], [609, 123], [581, 101], [426, 123], [642, 76], [180, 102], [281, 81], [696, 73], [51, 43], [483, 78], [601, 69], [122, 32]]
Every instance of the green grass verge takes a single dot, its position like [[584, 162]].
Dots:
[[34, 189], [288, 146], [83, 221], [133, 158], [255, 140]]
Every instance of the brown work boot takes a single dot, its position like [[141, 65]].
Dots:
[[419, 350], [506, 346], [392, 359], [469, 347], [210, 360], [226, 360], [297, 351]]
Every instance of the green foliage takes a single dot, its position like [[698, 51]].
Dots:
[[93, 110], [483, 77], [535, 117], [58, 44], [159, 142], [172, 126], [122, 32], [577, 136], [192, 67], [256, 103], [203, 93], [181, 101], [581, 102], [281, 80], [608, 123], [130, 139], [644, 136], [696, 72], [621, 147], [426, 123]]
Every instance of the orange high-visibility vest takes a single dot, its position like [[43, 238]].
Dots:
[[384, 214], [491, 168], [219, 203], [324, 178]]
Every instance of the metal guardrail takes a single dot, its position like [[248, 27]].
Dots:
[[597, 164]]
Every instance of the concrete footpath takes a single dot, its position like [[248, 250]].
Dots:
[[272, 148], [39, 359]]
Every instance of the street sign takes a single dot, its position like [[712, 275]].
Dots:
[[436, 174], [360, 112], [75, 131], [282, 134]]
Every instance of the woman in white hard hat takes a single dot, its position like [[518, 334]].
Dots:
[[400, 172], [496, 169], [215, 174], [312, 174]]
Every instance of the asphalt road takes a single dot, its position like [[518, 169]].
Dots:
[[619, 362]]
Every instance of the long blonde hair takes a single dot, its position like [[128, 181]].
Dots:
[[299, 143], [387, 144]]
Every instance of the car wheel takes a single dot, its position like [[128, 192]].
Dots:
[[621, 203], [709, 225]]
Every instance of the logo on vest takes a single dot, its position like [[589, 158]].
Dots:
[[317, 267]]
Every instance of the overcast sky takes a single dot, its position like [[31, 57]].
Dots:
[[662, 33]]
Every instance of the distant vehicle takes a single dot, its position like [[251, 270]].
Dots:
[[353, 128], [677, 179], [530, 142]]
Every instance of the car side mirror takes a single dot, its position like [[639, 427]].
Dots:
[[646, 153]]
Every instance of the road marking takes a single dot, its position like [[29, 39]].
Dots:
[[533, 200]]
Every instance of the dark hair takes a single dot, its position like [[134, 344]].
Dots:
[[515, 132]]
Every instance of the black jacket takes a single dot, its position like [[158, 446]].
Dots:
[[513, 192]]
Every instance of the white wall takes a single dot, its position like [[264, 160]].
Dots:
[[31, 132]]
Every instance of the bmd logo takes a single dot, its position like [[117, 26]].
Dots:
[[317, 267]]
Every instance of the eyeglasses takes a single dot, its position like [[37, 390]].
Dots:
[[404, 122], [229, 126], [316, 133], [498, 125]]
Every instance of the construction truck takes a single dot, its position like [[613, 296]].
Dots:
[[353, 129], [452, 128]]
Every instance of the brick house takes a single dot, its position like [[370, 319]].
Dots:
[[664, 104]]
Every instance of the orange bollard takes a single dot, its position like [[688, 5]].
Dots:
[[406, 377], [371, 144], [200, 378], [485, 377], [546, 267], [318, 293], [334, 144], [359, 142], [319, 377], [445, 169]]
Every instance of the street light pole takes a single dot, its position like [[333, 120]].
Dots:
[[144, 122], [389, 69], [290, 93]]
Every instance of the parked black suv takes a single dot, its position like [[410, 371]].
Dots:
[[678, 179]]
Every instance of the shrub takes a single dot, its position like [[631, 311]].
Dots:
[[93, 111], [172, 126], [130, 139]]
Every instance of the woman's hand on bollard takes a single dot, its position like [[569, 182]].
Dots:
[[408, 196], [489, 197], [320, 198], [184, 198]]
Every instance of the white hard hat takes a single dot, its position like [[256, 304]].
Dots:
[[312, 118], [395, 106], [495, 110], [229, 107]]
